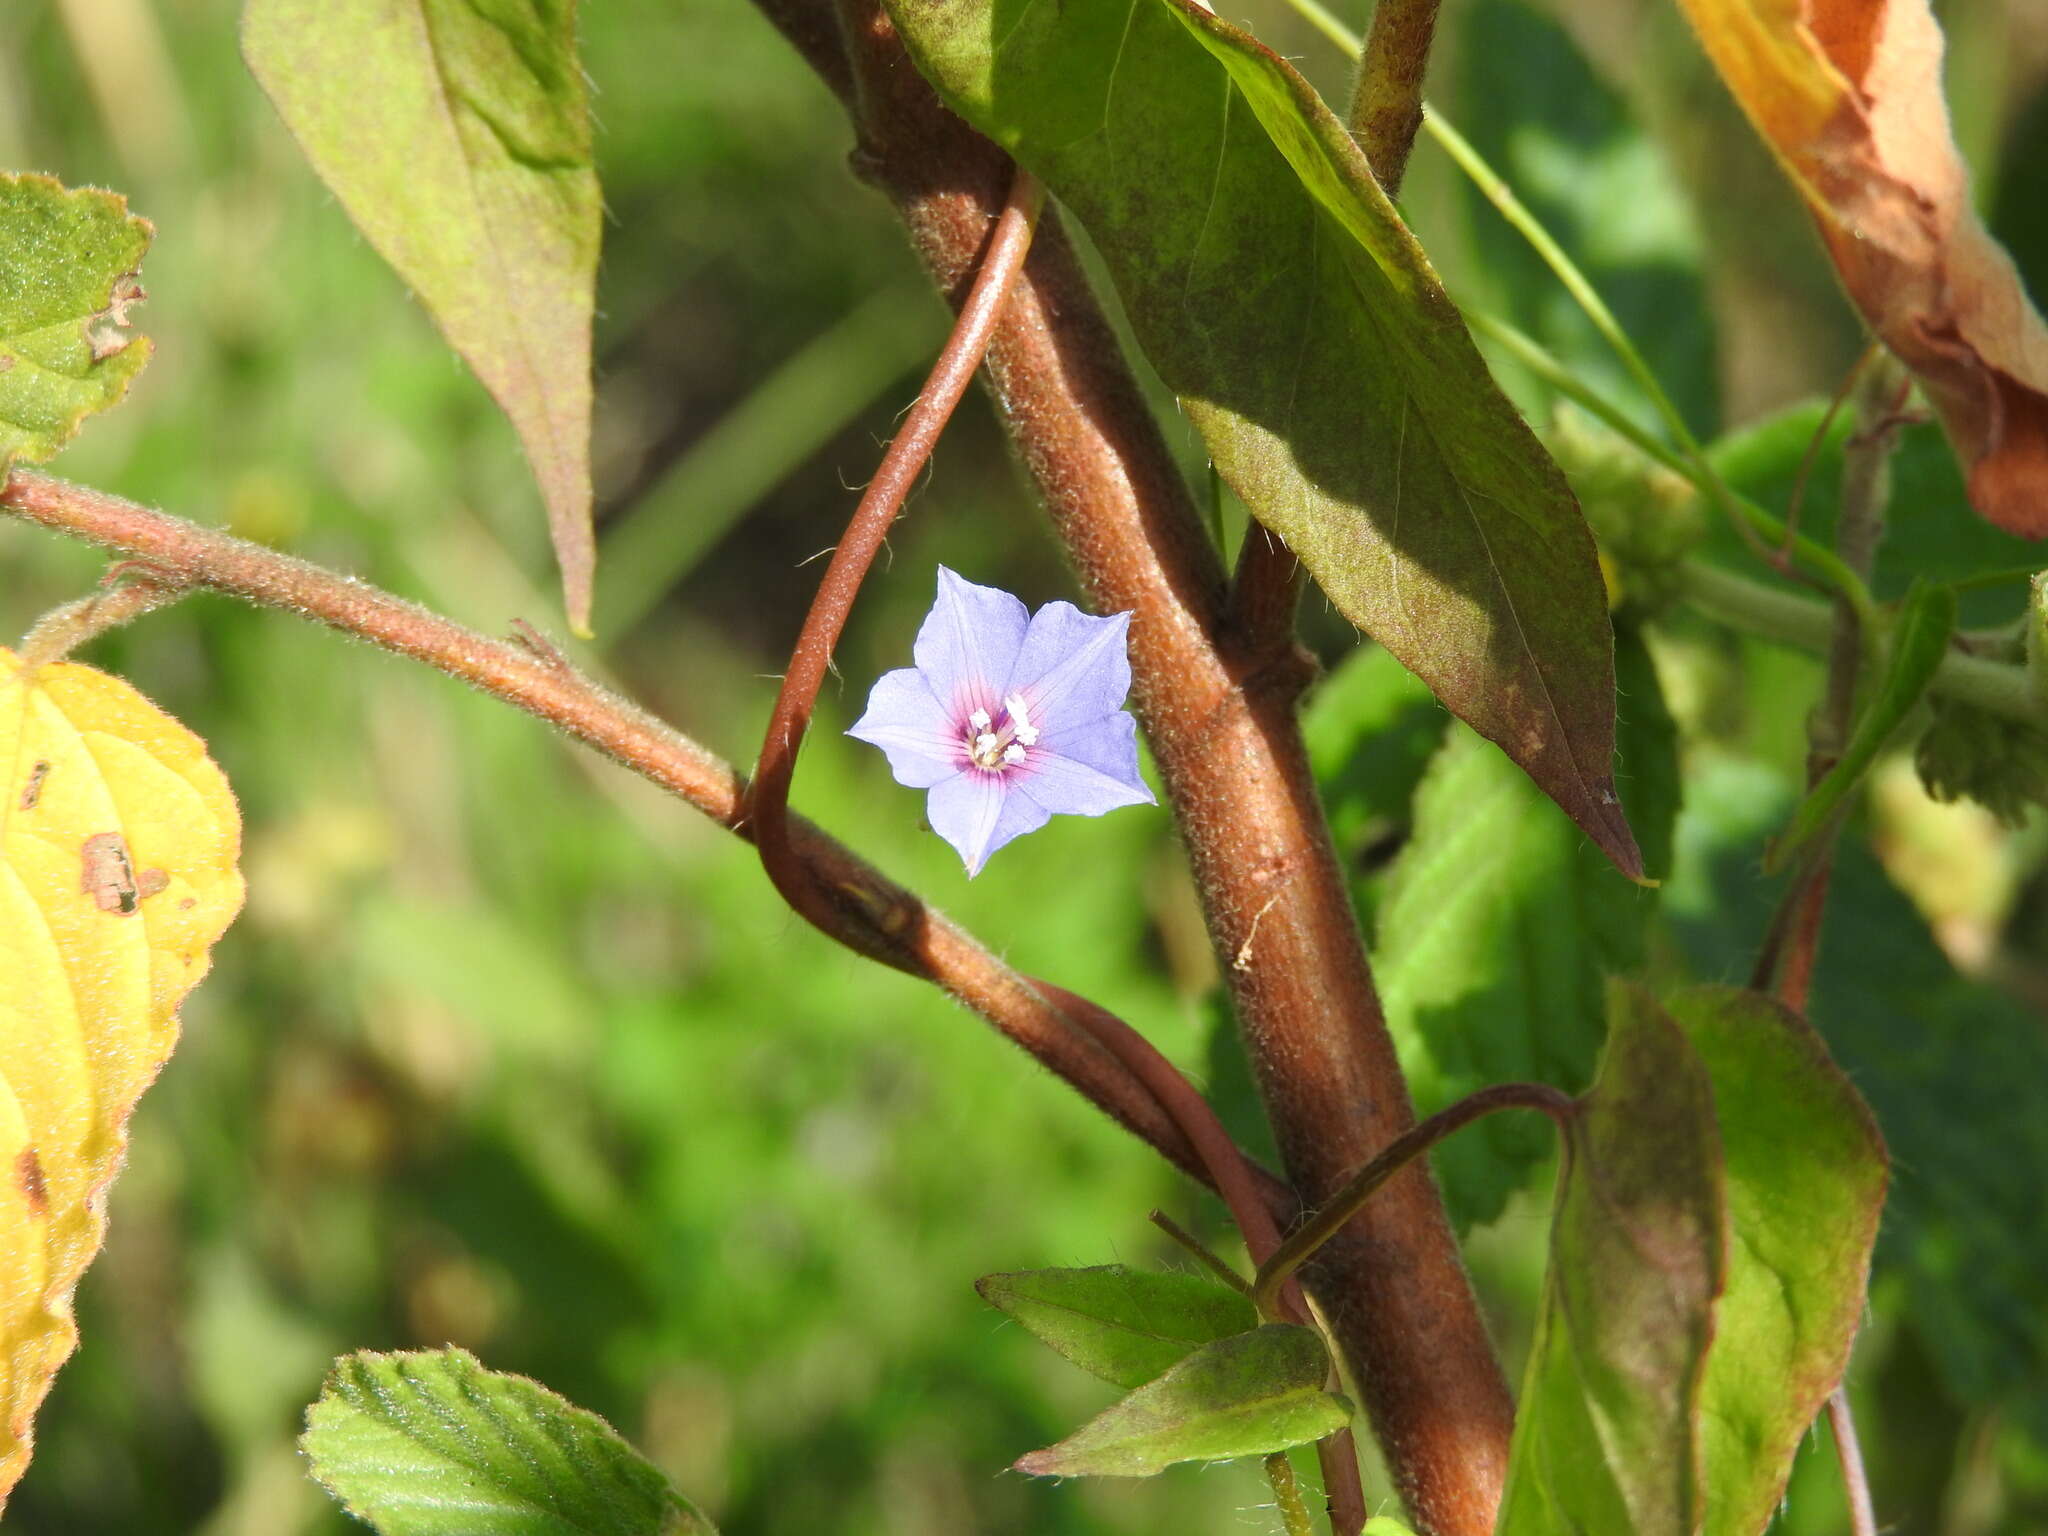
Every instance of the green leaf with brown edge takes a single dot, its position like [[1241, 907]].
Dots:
[[1919, 641], [457, 135], [1279, 294], [1606, 1436], [1805, 1179], [1125, 1325], [1247, 1395], [70, 256], [432, 1444]]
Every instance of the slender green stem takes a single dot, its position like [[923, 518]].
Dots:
[[1201, 1252], [1691, 460], [1287, 1498], [1329, 1221]]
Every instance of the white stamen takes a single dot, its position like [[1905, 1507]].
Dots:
[[1014, 753], [1020, 720], [985, 742], [979, 720]]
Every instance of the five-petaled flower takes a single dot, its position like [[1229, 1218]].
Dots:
[[1008, 717]]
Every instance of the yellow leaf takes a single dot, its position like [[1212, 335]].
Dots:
[[118, 847]]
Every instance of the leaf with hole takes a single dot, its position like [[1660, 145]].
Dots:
[[71, 257], [1281, 297], [457, 135], [1125, 1325], [118, 847], [1247, 1395], [433, 1444]]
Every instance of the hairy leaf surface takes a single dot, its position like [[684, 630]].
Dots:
[[1805, 1184], [1247, 1395], [118, 848], [1125, 1325], [1606, 1435], [457, 135], [432, 1444], [68, 264], [1281, 297], [1497, 929]]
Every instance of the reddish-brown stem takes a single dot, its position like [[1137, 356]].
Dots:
[[1265, 591], [1330, 1219], [870, 913], [1386, 103], [1849, 1453], [1392, 1287], [1008, 243]]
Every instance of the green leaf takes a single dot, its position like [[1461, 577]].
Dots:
[[70, 259], [432, 1444], [1605, 1437], [1247, 1395], [1926, 624], [1280, 296], [1805, 1173], [1125, 1325], [1371, 728], [1497, 930], [457, 135]]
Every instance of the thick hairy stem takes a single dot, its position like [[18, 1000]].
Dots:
[[1392, 1286], [869, 912], [1386, 103]]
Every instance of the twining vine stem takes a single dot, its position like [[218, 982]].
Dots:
[[1303, 1242]]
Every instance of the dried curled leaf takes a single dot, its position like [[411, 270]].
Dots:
[[1848, 95], [118, 847]]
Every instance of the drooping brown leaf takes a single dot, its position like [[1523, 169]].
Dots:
[[1848, 95]]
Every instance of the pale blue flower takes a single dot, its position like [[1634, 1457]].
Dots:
[[1008, 717]]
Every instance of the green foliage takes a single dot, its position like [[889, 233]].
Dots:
[[1125, 1325], [1247, 1395], [1497, 929], [1805, 1182], [1926, 623], [1236, 213], [432, 1444], [70, 257], [1970, 753], [1607, 1434], [457, 135]]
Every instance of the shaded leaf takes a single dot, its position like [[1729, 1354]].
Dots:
[[118, 847], [457, 135], [1847, 93], [70, 259], [1125, 1325], [1606, 1437], [1281, 297], [1247, 1395], [1496, 931], [1805, 1184], [1918, 644], [1371, 728], [432, 1444]]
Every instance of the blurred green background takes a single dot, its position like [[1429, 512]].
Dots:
[[511, 1052]]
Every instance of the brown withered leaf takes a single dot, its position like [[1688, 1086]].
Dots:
[[1848, 95]]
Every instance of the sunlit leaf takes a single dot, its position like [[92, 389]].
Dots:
[[1847, 93], [1247, 1395], [457, 135], [69, 259], [1805, 1184], [118, 847], [1497, 928], [1280, 296], [1125, 1325], [1606, 1437], [1918, 646], [432, 1444]]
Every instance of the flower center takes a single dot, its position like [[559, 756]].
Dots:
[[1000, 743]]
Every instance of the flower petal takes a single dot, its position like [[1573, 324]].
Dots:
[[979, 812], [1087, 770], [911, 727], [1072, 667], [968, 644]]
